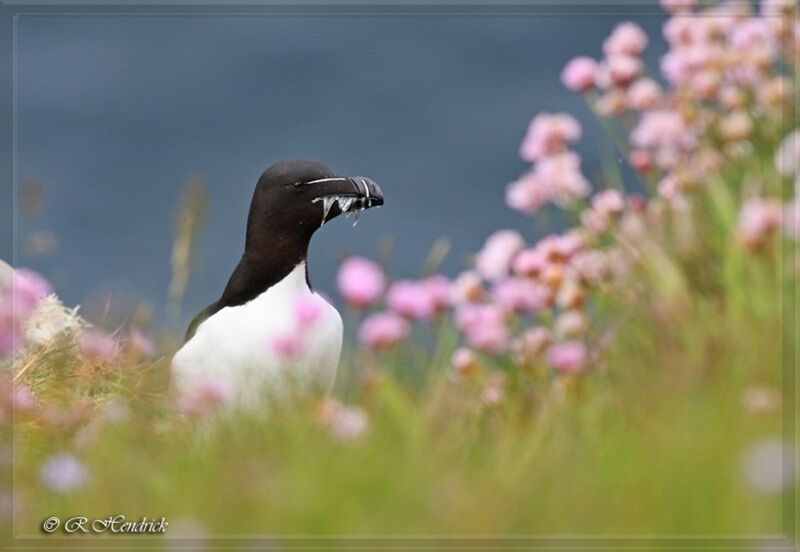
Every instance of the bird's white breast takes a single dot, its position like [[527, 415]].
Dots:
[[234, 347]]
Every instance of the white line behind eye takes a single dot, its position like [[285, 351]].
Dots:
[[331, 179]]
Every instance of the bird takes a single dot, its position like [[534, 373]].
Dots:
[[229, 342]]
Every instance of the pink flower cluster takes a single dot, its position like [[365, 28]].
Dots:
[[533, 303], [405, 301], [556, 175], [18, 299], [725, 69]]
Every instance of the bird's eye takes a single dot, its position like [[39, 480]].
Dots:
[[298, 184]]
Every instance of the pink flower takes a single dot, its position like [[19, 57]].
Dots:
[[410, 299], [529, 262], [464, 361], [527, 195], [568, 357], [622, 69], [344, 423], [753, 33], [533, 341], [643, 94], [349, 424], [662, 129], [22, 398], [209, 396], [570, 323], [287, 345], [382, 330], [757, 220], [439, 290], [467, 287], [580, 74], [495, 390], [494, 259], [483, 326], [609, 202], [640, 160], [772, 8], [361, 281], [26, 290], [548, 134], [626, 39], [590, 266], [678, 6], [307, 310], [63, 473], [676, 67], [561, 176], [98, 345], [141, 342], [521, 295]]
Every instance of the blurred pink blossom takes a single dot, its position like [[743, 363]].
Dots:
[[662, 129], [22, 398], [382, 330], [529, 262], [758, 218], [286, 345], [26, 290], [464, 361], [493, 261], [344, 423], [466, 288], [520, 295], [753, 33], [410, 299], [361, 281], [570, 324], [141, 342], [591, 266], [678, 6], [307, 310], [644, 94], [568, 357], [98, 345], [640, 160], [209, 396], [609, 203], [439, 290], [626, 39], [562, 178], [494, 392], [623, 69], [531, 344], [548, 134], [580, 74], [483, 326], [772, 8], [527, 194]]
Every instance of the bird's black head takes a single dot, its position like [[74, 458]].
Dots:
[[294, 198]]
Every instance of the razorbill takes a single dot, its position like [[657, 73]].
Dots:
[[235, 341]]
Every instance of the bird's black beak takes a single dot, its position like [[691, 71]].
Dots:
[[346, 195]]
